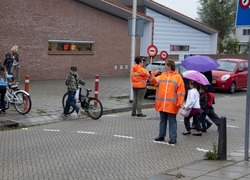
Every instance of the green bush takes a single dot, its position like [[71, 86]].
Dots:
[[212, 154]]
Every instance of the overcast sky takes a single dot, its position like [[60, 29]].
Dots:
[[186, 7]]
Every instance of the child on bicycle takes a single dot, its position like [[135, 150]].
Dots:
[[72, 82], [3, 87]]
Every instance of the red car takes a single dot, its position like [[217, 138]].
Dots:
[[231, 75]]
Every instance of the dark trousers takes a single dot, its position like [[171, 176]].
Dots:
[[204, 122], [196, 122], [71, 102], [213, 116], [139, 94], [2, 94]]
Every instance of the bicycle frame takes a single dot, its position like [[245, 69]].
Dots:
[[11, 96]]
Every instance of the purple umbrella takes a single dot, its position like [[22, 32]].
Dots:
[[196, 76], [200, 63]]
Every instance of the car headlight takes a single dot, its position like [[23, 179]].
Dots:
[[225, 77]]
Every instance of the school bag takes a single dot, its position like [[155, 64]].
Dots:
[[211, 100]]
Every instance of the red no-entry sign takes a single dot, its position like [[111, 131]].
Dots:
[[164, 55], [152, 50]]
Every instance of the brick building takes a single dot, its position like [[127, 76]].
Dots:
[[90, 34]]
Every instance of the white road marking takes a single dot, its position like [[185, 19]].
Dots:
[[111, 115], [52, 130], [24, 128], [85, 132], [203, 150], [232, 126], [128, 137], [160, 142]]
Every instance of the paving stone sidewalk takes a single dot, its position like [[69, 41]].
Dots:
[[114, 94]]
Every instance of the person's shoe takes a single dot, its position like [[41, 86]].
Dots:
[[65, 116], [172, 141], [186, 133], [204, 130], [141, 115], [133, 114], [197, 134], [81, 112], [209, 125], [159, 139]]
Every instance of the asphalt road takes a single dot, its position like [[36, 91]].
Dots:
[[117, 146]]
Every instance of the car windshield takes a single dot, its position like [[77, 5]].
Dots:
[[227, 66], [158, 66], [155, 67]]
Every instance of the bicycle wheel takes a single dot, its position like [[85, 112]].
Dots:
[[94, 108], [22, 102], [64, 99]]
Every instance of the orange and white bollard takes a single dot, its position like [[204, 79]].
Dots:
[[26, 88], [96, 87], [27, 83]]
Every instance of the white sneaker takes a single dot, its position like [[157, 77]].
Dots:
[[81, 112], [74, 115]]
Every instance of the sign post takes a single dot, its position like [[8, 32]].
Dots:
[[163, 55], [152, 52], [242, 19]]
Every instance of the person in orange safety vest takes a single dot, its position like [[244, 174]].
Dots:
[[139, 77], [170, 94]]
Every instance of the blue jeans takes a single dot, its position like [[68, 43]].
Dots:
[[70, 102], [164, 119]]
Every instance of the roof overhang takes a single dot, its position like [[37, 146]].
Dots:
[[171, 13], [115, 8]]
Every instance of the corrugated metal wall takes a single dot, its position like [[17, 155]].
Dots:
[[170, 32]]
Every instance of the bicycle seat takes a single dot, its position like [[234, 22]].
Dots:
[[88, 90], [13, 86]]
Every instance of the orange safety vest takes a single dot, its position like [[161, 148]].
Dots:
[[139, 76], [170, 92]]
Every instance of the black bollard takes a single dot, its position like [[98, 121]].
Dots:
[[222, 142]]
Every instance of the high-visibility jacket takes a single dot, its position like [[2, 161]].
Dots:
[[170, 92], [139, 76]]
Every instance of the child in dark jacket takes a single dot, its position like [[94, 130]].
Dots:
[[209, 110], [204, 98]]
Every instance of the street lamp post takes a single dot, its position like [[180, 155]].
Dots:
[[133, 44]]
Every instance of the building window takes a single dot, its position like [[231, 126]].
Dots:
[[246, 31], [70, 47], [179, 48]]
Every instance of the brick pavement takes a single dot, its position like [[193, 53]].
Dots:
[[46, 99]]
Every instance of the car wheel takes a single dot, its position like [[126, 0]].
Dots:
[[233, 88]]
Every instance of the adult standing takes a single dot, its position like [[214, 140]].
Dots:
[[72, 82], [169, 98], [15, 65], [139, 77], [8, 62]]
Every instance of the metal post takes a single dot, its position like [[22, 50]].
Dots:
[[133, 44], [247, 110], [222, 142]]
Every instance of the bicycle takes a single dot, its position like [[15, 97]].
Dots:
[[19, 98], [91, 105]]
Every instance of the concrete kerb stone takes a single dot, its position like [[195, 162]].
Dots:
[[33, 118]]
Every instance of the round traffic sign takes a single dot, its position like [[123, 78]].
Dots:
[[152, 50], [244, 4], [164, 55]]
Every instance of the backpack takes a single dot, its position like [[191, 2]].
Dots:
[[210, 99]]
